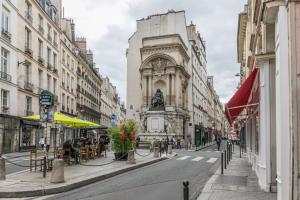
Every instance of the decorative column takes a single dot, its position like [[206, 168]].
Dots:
[[177, 88], [144, 89]]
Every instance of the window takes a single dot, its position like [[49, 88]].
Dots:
[[27, 73], [63, 57], [54, 60], [63, 76], [5, 19], [72, 105], [4, 61], [28, 103], [40, 48], [68, 60], [48, 82], [63, 100], [27, 38], [68, 102], [41, 21], [72, 83], [55, 37], [49, 56], [49, 33], [28, 10], [68, 80], [40, 79], [54, 86], [4, 99]]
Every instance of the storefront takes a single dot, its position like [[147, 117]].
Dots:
[[9, 132], [30, 134]]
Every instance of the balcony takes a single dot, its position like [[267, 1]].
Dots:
[[49, 38], [28, 16], [41, 60], [28, 51], [5, 110], [49, 66], [28, 86], [6, 34], [4, 76], [28, 113], [41, 29]]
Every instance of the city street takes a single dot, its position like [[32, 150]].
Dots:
[[159, 181], [18, 166]]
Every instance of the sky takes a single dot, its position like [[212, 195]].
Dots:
[[107, 25]]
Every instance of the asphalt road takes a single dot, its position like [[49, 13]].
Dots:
[[162, 180]]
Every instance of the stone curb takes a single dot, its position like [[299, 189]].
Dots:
[[72, 186]]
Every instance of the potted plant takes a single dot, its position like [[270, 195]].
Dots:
[[123, 139]]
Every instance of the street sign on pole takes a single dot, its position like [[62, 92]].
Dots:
[[46, 98]]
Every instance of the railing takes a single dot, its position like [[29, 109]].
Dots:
[[28, 16], [5, 76], [28, 113], [28, 50], [41, 29], [6, 34], [49, 66], [5, 109], [28, 86], [41, 60]]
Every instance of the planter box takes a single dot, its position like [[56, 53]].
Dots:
[[122, 156]]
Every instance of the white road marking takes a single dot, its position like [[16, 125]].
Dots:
[[197, 159], [212, 160], [207, 151], [183, 158]]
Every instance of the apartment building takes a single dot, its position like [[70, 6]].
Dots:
[[68, 77], [267, 45], [9, 123], [38, 27], [88, 84]]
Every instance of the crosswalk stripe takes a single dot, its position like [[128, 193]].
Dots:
[[183, 158], [197, 159], [212, 160]]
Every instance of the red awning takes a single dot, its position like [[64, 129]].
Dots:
[[240, 99]]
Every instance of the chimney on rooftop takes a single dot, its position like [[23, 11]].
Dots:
[[81, 43], [73, 31]]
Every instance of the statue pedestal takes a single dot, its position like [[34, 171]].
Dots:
[[155, 121]]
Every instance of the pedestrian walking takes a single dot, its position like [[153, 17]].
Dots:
[[218, 140]]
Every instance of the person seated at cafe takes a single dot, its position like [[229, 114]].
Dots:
[[74, 153]]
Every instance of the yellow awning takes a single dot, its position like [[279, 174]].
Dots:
[[60, 118]]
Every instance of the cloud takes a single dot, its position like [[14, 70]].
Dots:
[[108, 25]]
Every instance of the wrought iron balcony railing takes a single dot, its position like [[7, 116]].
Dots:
[[6, 34], [28, 86], [5, 76]]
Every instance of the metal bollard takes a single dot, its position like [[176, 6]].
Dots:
[[2, 169], [159, 149], [185, 190], [45, 167], [222, 167], [233, 146], [240, 150], [225, 160], [228, 154], [231, 151]]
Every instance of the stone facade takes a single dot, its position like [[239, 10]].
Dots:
[[267, 39], [163, 56]]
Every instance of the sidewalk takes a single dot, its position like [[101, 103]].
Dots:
[[239, 182], [30, 184]]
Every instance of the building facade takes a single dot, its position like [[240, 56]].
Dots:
[[267, 41], [167, 58]]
